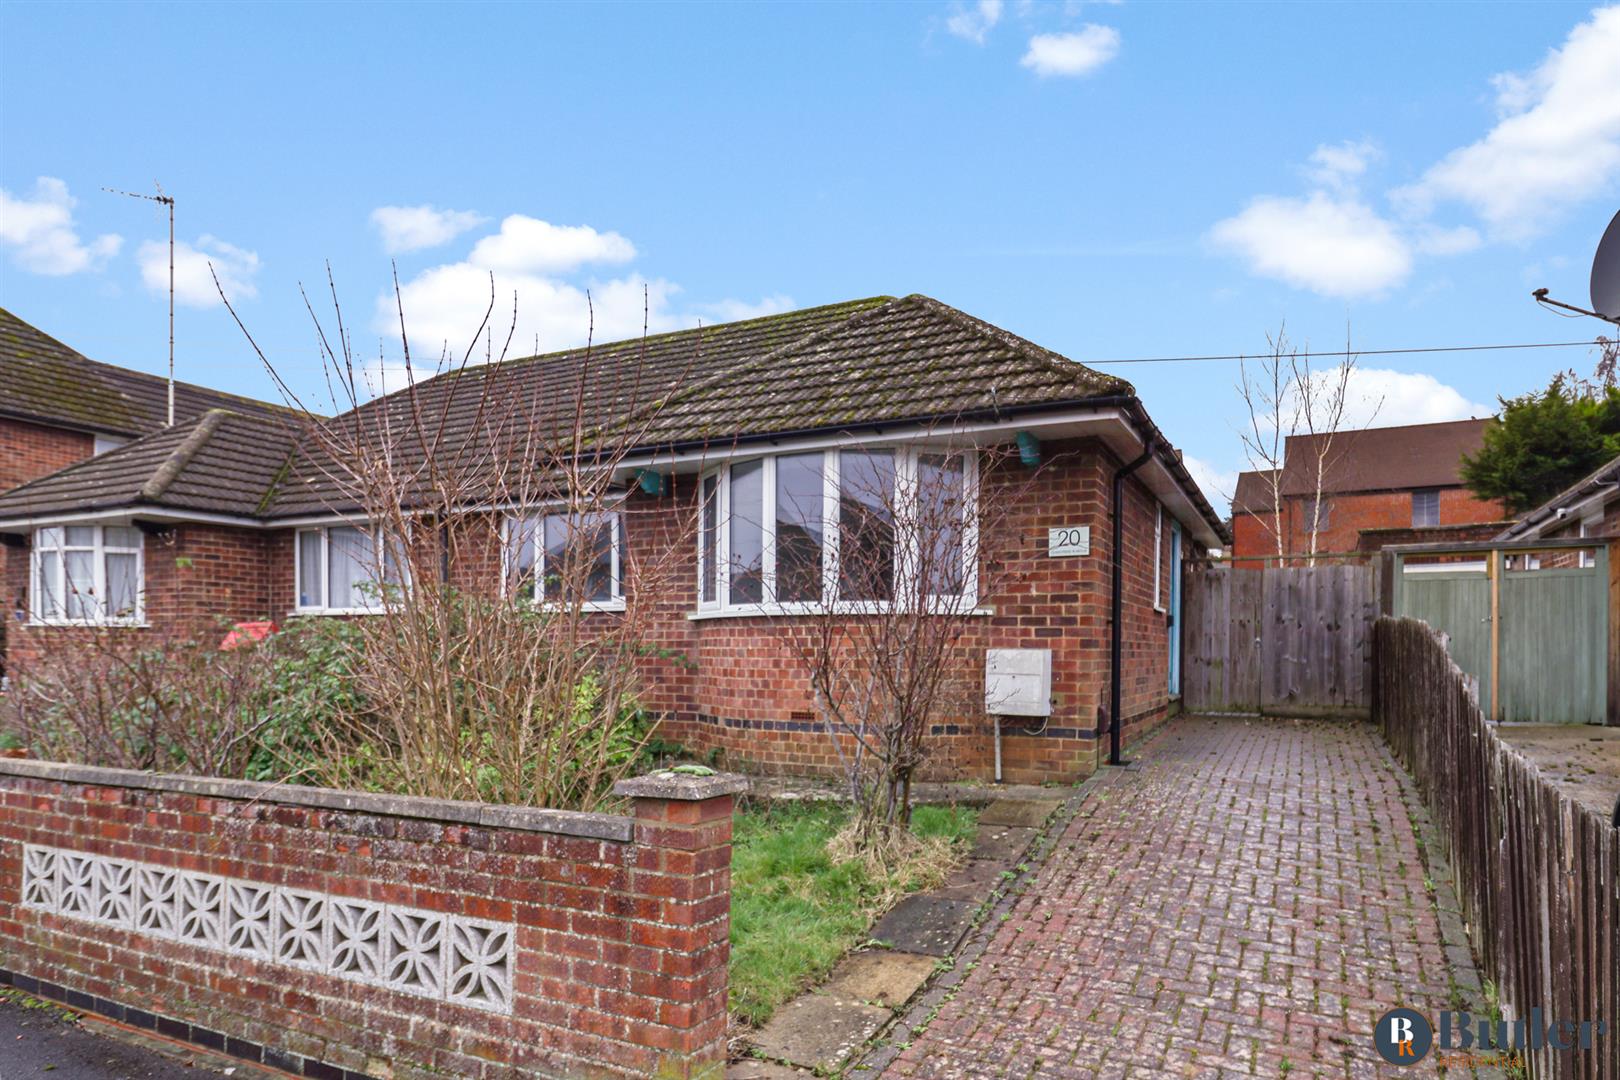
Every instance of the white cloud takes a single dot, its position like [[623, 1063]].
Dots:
[[1557, 142], [412, 228], [529, 245], [193, 281], [444, 305], [738, 310], [1382, 397], [974, 23], [40, 230], [559, 304], [1333, 244], [1216, 483], [1340, 167], [1079, 53]]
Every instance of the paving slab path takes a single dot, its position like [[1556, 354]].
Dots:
[[1247, 901]]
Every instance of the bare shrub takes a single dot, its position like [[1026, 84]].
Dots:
[[127, 700], [482, 520], [874, 600]]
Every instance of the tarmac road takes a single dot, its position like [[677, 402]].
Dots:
[[41, 1042]]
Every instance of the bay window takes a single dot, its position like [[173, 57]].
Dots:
[[339, 571], [88, 574], [565, 557], [844, 530]]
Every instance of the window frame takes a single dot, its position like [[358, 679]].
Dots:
[[1158, 558], [511, 519], [99, 550], [1427, 493], [325, 532], [906, 459]]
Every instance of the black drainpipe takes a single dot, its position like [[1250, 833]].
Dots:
[[1116, 602]]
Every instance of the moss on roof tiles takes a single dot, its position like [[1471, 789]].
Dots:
[[45, 381]]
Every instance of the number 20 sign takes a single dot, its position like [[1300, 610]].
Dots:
[[1068, 540]]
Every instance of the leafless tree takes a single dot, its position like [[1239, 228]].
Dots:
[[1288, 397], [486, 517], [873, 595], [1266, 396]]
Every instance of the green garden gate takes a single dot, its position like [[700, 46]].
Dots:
[[1528, 622]]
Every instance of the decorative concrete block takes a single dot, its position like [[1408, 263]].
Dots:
[[249, 916], [413, 951], [300, 929], [354, 940], [39, 878], [479, 964], [114, 892]]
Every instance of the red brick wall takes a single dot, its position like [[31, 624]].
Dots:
[[736, 685], [30, 451], [196, 576], [619, 927], [750, 694], [1349, 514]]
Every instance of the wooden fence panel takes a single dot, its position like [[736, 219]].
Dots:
[[1554, 651], [1282, 640], [1220, 642], [1537, 872]]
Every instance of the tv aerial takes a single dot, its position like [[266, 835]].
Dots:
[[1605, 290]]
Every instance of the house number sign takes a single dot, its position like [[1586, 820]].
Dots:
[[1068, 540]]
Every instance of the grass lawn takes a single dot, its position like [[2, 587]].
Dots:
[[793, 911]]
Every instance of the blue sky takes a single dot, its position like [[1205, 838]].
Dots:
[[1139, 179]]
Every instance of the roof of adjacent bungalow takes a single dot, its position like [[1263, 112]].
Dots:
[[1602, 485], [865, 364], [43, 381]]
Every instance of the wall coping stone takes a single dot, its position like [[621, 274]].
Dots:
[[681, 787], [530, 819]]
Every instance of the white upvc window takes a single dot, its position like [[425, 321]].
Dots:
[[1158, 557], [840, 530], [89, 575], [548, 555], [1591, 525], [338, 570]]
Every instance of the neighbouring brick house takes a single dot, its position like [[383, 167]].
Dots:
[[59, 407], [1380, 486], [233, 515]]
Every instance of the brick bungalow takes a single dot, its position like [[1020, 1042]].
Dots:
[[1588, 507], [1381, 486], [59, 407], [227, 515]]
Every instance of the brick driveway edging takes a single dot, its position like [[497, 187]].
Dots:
[[1246, 902]]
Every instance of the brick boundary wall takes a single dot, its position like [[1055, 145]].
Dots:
[[337, 934]]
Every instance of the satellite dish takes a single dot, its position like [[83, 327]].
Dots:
[[1606, 273]]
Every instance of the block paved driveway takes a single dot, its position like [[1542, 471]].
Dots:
[[1253, 895]]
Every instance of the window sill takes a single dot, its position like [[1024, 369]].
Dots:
[[301, 613], [780, 611], [589, 607], [90, 624]]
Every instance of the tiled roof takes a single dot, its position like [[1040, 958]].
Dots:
[[1605, 478], [44, 381], [908, 359], [219, 463], [1383, 459], [1253, 494], [840, 367]]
